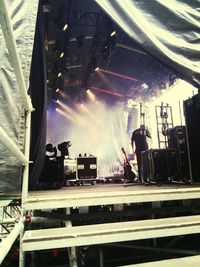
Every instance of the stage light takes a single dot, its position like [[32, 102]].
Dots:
[[57, 90], [81, 106], [62, 54], [144, 86], [59, 74], [97, 68], [68, 110], [65, 27], [113, 33], [90, 94], [64, 114], [73, 115]]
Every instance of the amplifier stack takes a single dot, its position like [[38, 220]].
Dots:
[[177, 140]]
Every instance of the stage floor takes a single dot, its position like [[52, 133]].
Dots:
[[104, 194]]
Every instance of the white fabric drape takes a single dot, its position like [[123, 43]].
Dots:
[[12, 114], [167, 29]]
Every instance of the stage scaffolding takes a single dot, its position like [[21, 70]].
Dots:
[[14, 76], [72, 236]]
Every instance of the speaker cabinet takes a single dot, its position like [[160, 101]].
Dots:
[[177, 140], [192, 115]]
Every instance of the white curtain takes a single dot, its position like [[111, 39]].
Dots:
[[23, 15], [169, 30]]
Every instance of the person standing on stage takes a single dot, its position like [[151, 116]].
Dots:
[[139, 144]]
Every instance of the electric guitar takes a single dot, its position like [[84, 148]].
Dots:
[[128, 173]]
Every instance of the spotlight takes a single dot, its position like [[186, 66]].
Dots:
[[62, 54], [144, 86], [97, 68], [113, 33], [65, 27], [57, 90], [59, 74], [90, 94]]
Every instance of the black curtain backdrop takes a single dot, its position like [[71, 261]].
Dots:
[[38, 92]]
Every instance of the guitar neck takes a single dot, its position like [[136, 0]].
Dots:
[[125, 156]]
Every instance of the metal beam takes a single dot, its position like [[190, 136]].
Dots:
[[105, 195], [131, 48], [110, 233], [12, 147], [7, 243]]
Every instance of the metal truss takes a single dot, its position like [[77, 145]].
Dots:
[[10, 225], [12, 216]]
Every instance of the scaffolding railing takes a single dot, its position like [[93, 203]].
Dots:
[[10, 41]]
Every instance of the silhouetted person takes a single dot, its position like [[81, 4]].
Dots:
[[64, 148], [139, 144], [50, 169], [51, 151]]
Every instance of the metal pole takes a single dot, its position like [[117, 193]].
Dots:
[[26, 152], [12, 48], [21, 252], [180, 112], [101, 264], [6, 243], [25, 183], [71, 250], [188, 149], [12, 147], [131, 48]]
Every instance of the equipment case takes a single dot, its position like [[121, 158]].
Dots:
[[86, 167], [159, 166]]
